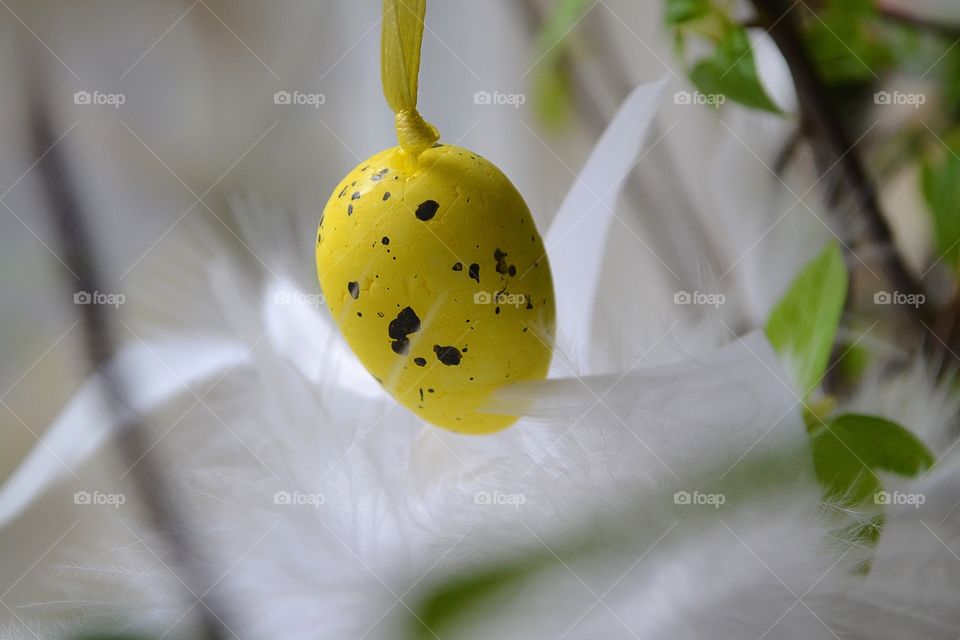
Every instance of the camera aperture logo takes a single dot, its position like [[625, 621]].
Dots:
[[498, 98], [696, 498], [915, 300], [299, 98], [98, 498], [899, 98], [99, 297], [495, 498], [710, 99], [299, 498], [699, 298], [500, 298], [897, 498], [99, 98]]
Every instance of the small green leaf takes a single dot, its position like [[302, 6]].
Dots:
[[553, 95], [454, 603], [848, 42], [853, 363], [552, 92], [848, 451], [941, 191], [732, 72], [565, 16], [804, 323], [681, 11]]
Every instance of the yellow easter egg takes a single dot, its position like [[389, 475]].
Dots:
[[439, 281]]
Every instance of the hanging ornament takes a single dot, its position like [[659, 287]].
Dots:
[[430, 261]]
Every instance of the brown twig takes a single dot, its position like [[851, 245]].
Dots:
[[835, 141], [920, 23], [66, 211]]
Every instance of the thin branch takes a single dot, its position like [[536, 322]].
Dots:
[[922, 24], [66, 210], [835, 141]]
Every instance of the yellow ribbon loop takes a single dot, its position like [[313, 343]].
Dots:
[[399, 70], [414, 133]]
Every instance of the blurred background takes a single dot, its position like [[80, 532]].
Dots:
[[169, 113]]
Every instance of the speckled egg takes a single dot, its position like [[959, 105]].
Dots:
[[439, 281]]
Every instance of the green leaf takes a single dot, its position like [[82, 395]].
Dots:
[[848, 451], [566, 15], [854, 360], [941, 190], [732, 72], [455, 603], [553, 95], [849, 42], [681, 11], [802, 326], [552, 92]]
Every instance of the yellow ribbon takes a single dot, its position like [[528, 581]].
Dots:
[[399, 68]]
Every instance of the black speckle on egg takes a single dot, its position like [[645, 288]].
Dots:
[[512, 270], [355, 196], [449, 356], [379, 175], [385, 240], [386, 196], [427, 209], [421, 394], [529, 305], [501, 259], [349, 209], [420, 362], [354, 290], [475, 272], [400, 327], [340, 195], [359, 315], [457, 266], [497, 310]]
